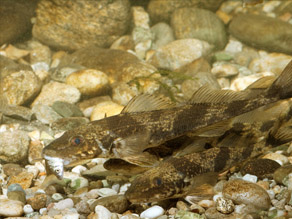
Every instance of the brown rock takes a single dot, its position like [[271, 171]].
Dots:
[[11, 169], [24, 179], [114, 203], [38, 201], [73, 25]]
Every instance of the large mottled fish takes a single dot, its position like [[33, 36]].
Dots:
[[149, 121]]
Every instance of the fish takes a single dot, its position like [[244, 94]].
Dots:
[[149, 121]]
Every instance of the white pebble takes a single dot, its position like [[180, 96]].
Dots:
[[32, 169], [152, 212], [102, 212], [92, 194], [79, 169], [66, 203], [219, 195], [27, 209], [116, 187], [104, 192], [42, 210], [271, 193], [57, 197], [124, 188], [250, 178]]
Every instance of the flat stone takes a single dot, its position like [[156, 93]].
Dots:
[[24, 179], [55, 91], [11, 208], [45, 113], [200, 24], [253, 30], [110, 21], [38, 201], [67, 109], [14, 146], [178, 53]]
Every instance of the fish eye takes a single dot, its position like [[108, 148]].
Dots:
[[76, 140], [157, 181]]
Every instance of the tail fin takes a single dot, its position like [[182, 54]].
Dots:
[[282, 86]]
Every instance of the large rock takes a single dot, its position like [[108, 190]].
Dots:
[[262, 32], [15, 18], [72, 25], [161, 10], [200, 24]]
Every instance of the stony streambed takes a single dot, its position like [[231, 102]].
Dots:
[[65, 63]]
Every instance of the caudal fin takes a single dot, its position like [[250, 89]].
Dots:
[[282, 86]]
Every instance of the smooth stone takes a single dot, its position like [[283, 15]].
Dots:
[[14, 146], [38, 201], [78, 183], [55, 91], [89, 82], [14, 111], [12, 169], [281, 173], [243, 192], [162, 10], [15, 19], [114, 203], [63, 204], [280, 158], [123, 93], [45, 113], [40, 56], [78, 169], [15, 87], [65, 124], [102, 212], [222, 69], [11, 208], [179, 53], [86, 106], [253, 30], [27, 209], [35, 151], [24, 179], [16, 192], [105, 109], [105, 192], [66, 109], [200, 24], [106, 24], [61, 72], [163, 35], [152, 212], [109, 61], [250, 178], [82, 207], [262, 168]]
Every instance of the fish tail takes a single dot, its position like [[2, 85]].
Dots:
[[282, 86]]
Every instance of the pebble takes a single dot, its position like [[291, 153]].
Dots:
[[16, 192], [152, 212], [45, 113], [78, 183], [114, 203], [11, 208], [104, 192], [67, 109], [179, 53], [243, 192], [106, 24], [280, 158], [63, 204], [89, 82], [24, 179], [105, 109], [221, 69], [200, 24], [224, 205], [57, 197], [55, 91], [78, 169], [163, 35], [40, 56], [102, 212], [12, 169], [250, 178], [247, 28], [14, 146], [38, 201], [14, 87], [281, 173], [125, 43], [27, 209]]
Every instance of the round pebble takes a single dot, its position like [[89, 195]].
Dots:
[[102, 212], [27, 209], [152, 212], [66, 203]]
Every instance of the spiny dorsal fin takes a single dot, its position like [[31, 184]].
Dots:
[[205, 94], [262, 83], [147, 102]]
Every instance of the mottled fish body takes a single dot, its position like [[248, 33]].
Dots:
[[149, 121]]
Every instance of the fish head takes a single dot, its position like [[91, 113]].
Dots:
[[73, 147], [155, 184]]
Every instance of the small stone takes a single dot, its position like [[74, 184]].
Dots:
[[224, 205], [15, 87], [80, 182], [89, 82], [163, 35], [57, 197], [82, 207], [16, 192], [45, 113], [24, 179], [114, 203], [152, 212], [66, 109], [221, 69], [280, 158], [55, 91], [102, 212], [11, 208], [179, 53], [35, 151], [78, 169], [105, 109], [281, 173], [27, 209], [186, 214], [250, 178], [182, 206], [104, 192], [11, 169], [63, 204], [38, 201], [243, 192]]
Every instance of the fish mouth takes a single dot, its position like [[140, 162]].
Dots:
[[55, 165]]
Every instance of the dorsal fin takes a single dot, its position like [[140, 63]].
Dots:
[[205, 94], [147, 102]]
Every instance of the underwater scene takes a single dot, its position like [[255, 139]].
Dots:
[[157, 109]]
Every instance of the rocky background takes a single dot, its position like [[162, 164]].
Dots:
[[65, 63]]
